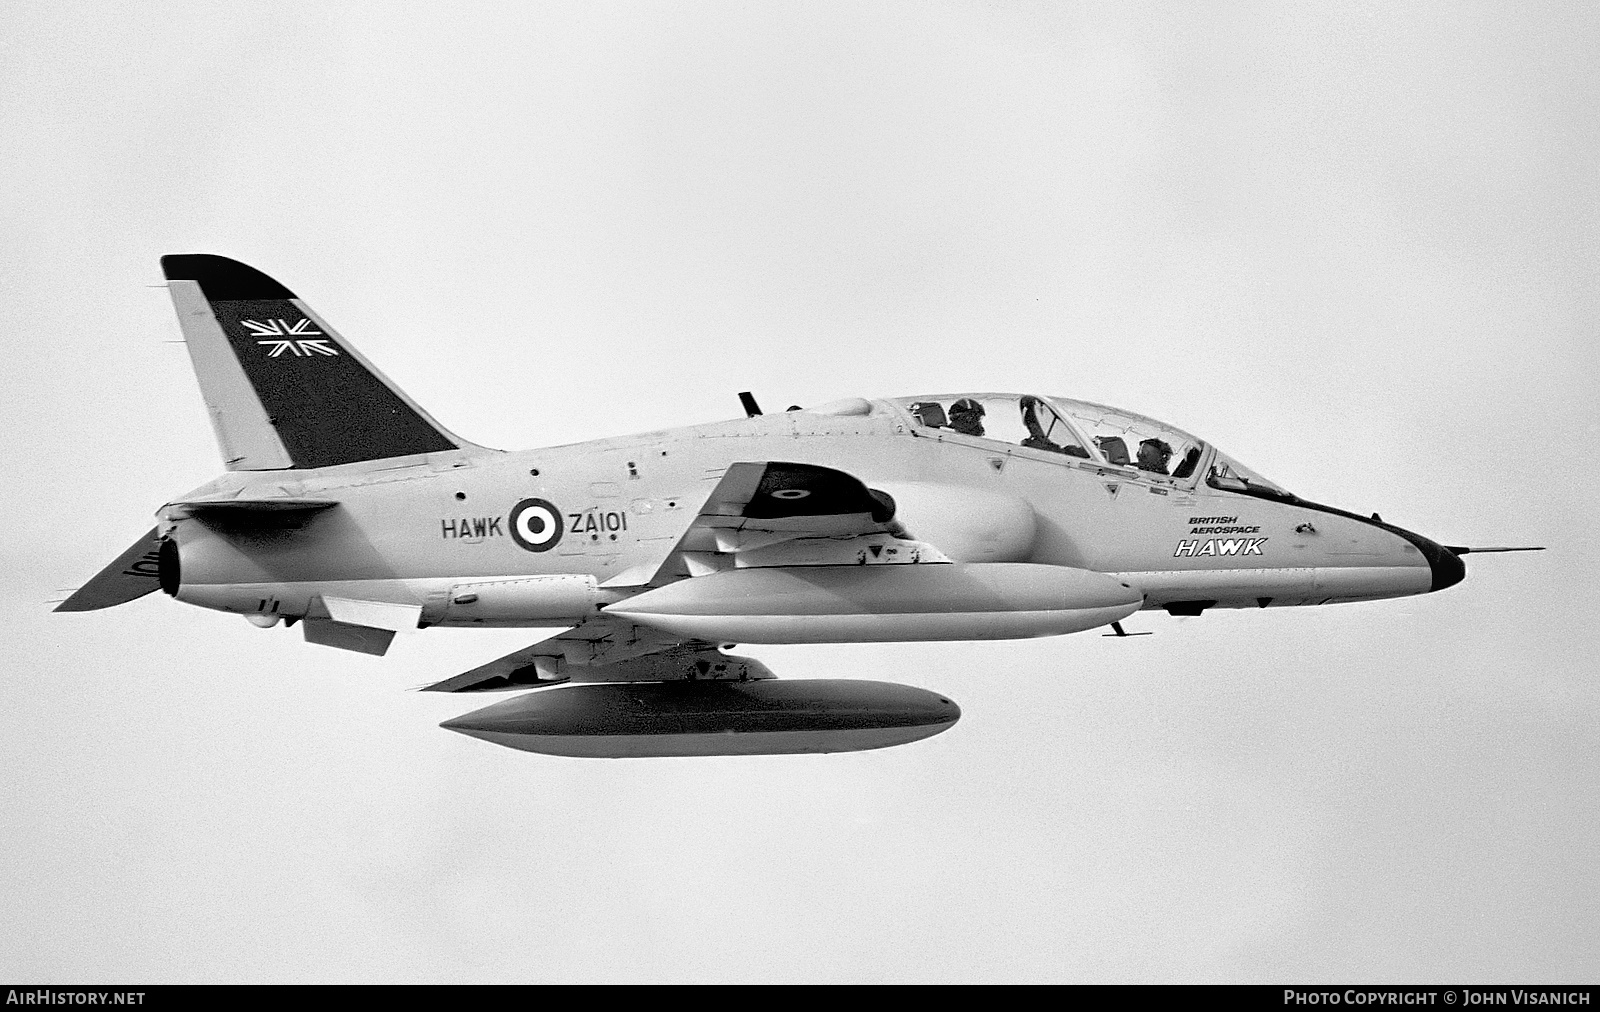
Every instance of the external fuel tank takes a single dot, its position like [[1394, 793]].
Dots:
[[614, 720], [860, 604]]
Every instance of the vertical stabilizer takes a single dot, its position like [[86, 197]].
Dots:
[[283, 389]]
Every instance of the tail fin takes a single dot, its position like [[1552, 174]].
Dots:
[[283, 389]]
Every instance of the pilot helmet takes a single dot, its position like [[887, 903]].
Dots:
[[1159, 447], [967, 406]]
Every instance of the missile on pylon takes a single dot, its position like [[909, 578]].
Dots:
[[856, 604]]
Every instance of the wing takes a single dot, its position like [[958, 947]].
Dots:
[[757, 506], [761, 504], [604, 649]]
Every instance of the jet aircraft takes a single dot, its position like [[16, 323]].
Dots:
[[347, 510]]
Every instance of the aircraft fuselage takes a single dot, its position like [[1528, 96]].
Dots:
[[413, 528]]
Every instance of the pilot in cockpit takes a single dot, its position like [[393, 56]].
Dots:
[[966, 417], [1153, 455]]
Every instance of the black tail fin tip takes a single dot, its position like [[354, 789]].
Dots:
[[221, 279], [276, 365]]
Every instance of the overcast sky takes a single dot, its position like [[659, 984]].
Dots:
[[1353, 246]]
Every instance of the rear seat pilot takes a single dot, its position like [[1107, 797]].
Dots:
[[966, 417]]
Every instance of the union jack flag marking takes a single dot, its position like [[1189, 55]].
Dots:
[[291, 337]]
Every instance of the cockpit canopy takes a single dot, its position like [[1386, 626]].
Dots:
[[1094, 433]]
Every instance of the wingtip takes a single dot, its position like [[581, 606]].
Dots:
[[222, 279]]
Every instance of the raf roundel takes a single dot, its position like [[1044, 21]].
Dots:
[[535, 525]]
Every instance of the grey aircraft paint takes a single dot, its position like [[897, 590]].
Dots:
[[347, 510]]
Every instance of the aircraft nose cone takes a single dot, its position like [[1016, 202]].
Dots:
[[1448, 569], [1446, 566]]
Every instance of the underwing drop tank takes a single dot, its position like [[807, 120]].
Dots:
[[863, 604], [614, 720]]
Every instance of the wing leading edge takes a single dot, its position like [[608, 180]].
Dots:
[[760, 504]]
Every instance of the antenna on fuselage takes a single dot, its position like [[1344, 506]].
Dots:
[[1122, 633], [751, 408]]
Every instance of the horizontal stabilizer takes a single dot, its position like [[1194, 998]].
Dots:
[[240, 508], [134, 574]]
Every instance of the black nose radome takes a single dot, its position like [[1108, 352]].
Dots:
[[1448, 569]]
